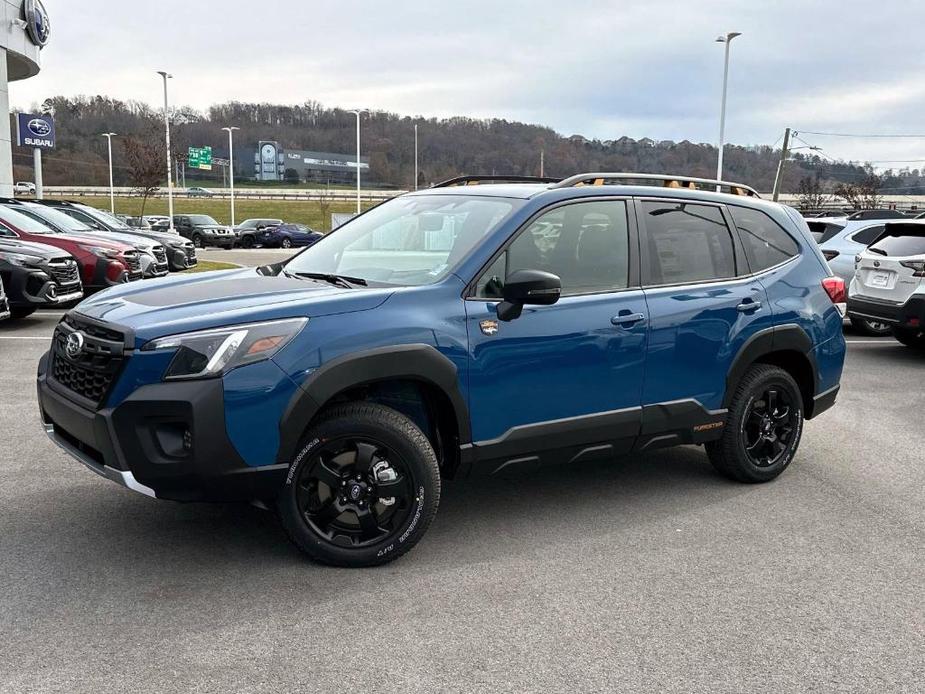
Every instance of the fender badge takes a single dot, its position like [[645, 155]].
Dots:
[[489, 327]]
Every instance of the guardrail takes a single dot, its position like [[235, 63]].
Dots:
[[314, 194]]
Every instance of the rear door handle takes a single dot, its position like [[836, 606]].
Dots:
[[748, 305], [627, 320]]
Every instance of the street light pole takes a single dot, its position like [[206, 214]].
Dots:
[[727, 39], [357, 114], [415, 156], [112, 193], [231, 166], [167, 76]]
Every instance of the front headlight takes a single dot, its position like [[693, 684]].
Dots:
[[20, 260], [111, 253], [207, 353]]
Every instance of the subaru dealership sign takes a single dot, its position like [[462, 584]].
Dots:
[[34, 130]]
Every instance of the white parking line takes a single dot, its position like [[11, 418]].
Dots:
[[872, 342], [25, 337]]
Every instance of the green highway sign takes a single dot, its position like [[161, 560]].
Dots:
[[200, 158]]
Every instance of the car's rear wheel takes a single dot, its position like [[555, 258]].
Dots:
[[874, 328], [286, 242], [911, 337], [363, 489], [247, 242], [763, 427]]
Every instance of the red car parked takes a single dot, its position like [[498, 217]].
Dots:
[[103, 263]]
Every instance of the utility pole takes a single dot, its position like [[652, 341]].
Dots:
[[542, 163], [415, 156], [726, 39], [784, 153], [166, 76]]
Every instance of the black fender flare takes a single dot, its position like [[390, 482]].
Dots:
[[788, 337], [419, 362]]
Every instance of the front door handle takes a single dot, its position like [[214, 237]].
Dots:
[[627, 319], [748, 305]]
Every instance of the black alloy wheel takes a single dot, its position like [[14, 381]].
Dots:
[[286, 242], [768, 427], [362, 489], [355, 491], [197, 241]]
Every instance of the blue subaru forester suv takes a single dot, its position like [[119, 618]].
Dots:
[[478, 325]]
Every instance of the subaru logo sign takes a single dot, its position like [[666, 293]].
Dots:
[[39, 127], [37, 24], [74, 344], [35, 130]]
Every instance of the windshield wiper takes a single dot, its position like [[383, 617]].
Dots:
[[338, 280]]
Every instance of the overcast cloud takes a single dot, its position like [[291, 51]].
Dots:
[[601, 69]]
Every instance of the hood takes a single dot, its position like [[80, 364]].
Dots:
[[89, 240], [138, 242], [214, 299], [37, 250], [161, 238]]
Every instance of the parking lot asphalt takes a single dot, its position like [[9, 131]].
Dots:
[[648, 573]]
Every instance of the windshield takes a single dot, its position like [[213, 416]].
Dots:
[[104, 217], [202, 219], [24, 222], [58, 219], [411, 240]]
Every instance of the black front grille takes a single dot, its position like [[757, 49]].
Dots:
[[191, 255], [64, 272], [133, 263], [160, 255], [4, 305], [90, 372]]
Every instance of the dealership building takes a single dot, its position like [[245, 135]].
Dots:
[[268, 161], [24, 30]]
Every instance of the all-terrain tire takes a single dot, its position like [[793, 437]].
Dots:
[[413, 456], [729, 454]]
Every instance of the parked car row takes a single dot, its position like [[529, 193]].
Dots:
[[880, 254], [53, 252], [204, 231]]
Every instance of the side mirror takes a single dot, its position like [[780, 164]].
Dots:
[[528, 287]]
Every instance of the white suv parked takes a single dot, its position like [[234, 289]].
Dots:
[[889, 282]]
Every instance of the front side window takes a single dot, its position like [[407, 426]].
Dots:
[[687, 243], [411, 240], [585, 244], [766, 243], [201, 220]]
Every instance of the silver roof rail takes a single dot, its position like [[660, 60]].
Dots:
[[668, 181]]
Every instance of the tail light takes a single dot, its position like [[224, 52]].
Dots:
[[835, 288], [917, 265], [830, 255]]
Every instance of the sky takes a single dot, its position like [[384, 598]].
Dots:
[[600, 69]]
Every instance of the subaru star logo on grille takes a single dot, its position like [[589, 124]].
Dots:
[[74, 344], [37, 24]]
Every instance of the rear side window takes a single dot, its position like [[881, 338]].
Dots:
[[766, 243], [901, 243], [869, 235], [687, 243]]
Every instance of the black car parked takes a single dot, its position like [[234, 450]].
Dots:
[[37, 276], [204, 231]]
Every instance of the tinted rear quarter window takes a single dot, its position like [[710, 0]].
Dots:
[[765, 241], [687, 243], [869, 235]]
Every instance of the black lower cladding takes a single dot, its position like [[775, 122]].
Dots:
[[889, 312], [171, 436], [596, 436]]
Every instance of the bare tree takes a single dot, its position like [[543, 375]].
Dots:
[[324, 207], [145, 159], [870, 192], [850, 193], [812, 194]]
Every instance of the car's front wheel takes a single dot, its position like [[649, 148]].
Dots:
[[911, 337], [198, 242], [874, 328], [763, 427], [363, 488], [286, 242]]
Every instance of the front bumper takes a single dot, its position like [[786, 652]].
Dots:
[[36, 288], [911, 313], [165, 440]]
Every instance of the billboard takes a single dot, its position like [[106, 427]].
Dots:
[[268, 164], [35, 130]]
